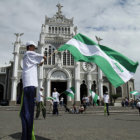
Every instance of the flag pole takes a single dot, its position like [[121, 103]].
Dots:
[[56, 51]]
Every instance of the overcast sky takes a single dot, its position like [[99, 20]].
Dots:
[[117, 22]]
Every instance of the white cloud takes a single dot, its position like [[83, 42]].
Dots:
[[116, 21]]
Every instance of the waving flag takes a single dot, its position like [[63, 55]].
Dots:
[[50, 98], [135, 92], [94, 96], [117, 68], [70, 92]]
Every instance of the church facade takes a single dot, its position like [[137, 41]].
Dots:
[[60, 70]]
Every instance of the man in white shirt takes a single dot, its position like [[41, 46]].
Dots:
[[30, 81], [106, 101], [138, 106], [40, 104], [55, 95]]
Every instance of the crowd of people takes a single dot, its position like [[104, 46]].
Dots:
[[87, 101], [58, 100], [131, 103]]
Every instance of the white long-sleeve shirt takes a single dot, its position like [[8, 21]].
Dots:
[[55, 95], [29, 74], [39, 97], [106, 98]]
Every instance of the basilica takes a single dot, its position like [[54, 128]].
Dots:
[[60, 71]]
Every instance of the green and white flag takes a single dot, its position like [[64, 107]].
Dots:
[[117, 68], [94, 96], [51, 98], [70, 92], [135, 92]]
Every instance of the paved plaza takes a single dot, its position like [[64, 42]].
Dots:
[[118, 126]]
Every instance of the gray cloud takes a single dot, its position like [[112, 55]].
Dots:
[[116, 21]]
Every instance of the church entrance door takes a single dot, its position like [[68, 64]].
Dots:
[[61, 87]]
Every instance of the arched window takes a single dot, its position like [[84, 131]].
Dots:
[[53, 57], [93, 87], [68, 58], [72, 60], [19, 91], [52, 29], [59, 29], [83, 91], [56, 30], [49, 59], [62, 30], [49, 29], [1, 92], [46, 54], [64, 58], [130, 91], [119, 91], [68, 30], [105, 89], [65, 30]]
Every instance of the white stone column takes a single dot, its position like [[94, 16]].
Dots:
[[89, 82], [77, 82], [15, 71], [48, 88], [40, 69], [100, 83], [69, 86]]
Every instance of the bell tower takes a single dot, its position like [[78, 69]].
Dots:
[[17, 45]]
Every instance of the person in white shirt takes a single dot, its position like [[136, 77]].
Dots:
[[138, 106], [62, 101], [40, 104], [31, 60], [55, 95], [106, 101]]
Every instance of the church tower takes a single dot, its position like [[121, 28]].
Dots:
[[58, 70], [15, 78]]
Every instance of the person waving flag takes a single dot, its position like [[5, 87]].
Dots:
[[94, 96], [70, 92]]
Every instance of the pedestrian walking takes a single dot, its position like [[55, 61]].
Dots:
[[55, 95], [138, 106], [123, 102], [40, 104], [126, 102], [31, 60], [106, 101]]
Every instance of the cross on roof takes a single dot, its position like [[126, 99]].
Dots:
[[59, 8]]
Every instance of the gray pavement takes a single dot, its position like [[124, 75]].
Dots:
[[86, 126]]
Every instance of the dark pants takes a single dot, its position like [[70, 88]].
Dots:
[[106, 109], [55, 108], [40, 107], [138, 109], [27, 113]]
